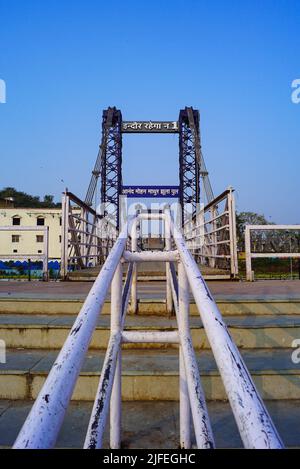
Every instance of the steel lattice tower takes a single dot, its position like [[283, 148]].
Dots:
[[111, 163], [189, 161]]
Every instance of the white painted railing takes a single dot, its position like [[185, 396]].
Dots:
[[256, 428], [42, 425], [87, 237], [252, 255], [211, 234]]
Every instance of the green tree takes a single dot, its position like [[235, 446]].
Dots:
[[248, 218], [22, 199], [48, 200]]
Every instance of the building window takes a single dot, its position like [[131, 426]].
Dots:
[[59, 221], [39, 251], [59, 238], [39, 238], [15, 250], [40, 221], [15, 238], [16, 221]]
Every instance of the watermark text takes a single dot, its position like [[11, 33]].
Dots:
[[2, 351], [295, 96], [296, 353], [2, 91]]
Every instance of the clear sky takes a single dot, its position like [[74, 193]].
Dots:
[[64, 61]]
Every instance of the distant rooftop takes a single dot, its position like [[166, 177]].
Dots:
[[7, 202]]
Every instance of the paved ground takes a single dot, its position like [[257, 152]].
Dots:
[[151, 424], [277, 289]]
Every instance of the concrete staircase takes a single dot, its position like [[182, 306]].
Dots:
[[148, 271], [34, 330]]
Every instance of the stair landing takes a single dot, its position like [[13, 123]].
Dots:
[[151, 425]]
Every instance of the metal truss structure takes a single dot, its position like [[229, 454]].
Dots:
[[189, 161], [108, 165], [192, 167]]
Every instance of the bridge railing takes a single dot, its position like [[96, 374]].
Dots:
[[211, 234], [269, 247], [43, 423], [87, 237]]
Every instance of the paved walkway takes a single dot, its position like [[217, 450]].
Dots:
[[150, 424], [277, 289]]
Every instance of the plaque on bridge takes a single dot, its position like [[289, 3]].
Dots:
[[151, 191], [150, 127]]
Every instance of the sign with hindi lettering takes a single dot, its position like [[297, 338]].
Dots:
[[150, 126], [151, 191]]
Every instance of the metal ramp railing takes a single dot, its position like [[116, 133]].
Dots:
[[43, 423], [211, 234], [87, 237]]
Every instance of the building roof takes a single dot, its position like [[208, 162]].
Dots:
[[6, 203]]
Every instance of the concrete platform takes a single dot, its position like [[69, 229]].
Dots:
[[150, 374], [151, 425], [262, 289], [262, 297]]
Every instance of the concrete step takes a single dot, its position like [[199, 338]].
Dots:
[[150, 374], [35, 331], [150, 425], [229, 306], [148, 271]]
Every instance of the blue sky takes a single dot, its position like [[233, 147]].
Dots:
[[64, 61]]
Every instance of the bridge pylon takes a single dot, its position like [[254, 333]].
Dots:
[[109, 161]]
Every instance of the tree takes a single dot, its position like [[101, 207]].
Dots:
[[48, 200], [249, 218], [22, 199]]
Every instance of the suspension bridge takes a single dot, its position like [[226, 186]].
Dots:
[[151, 332], [208, 222]]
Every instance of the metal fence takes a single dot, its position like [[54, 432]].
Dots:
[[43, 423], [275, 249], [211, 234], [87, 237]]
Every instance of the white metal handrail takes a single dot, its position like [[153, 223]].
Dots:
[[211, 234], [255, 425], [87, 236], [256, 428], [43, 423]]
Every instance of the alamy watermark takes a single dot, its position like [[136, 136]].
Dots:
[[296, 353], [2, 92], [295, 96], [149, 228], [2, 351]]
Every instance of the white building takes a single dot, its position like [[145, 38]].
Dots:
[[14, 242]]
